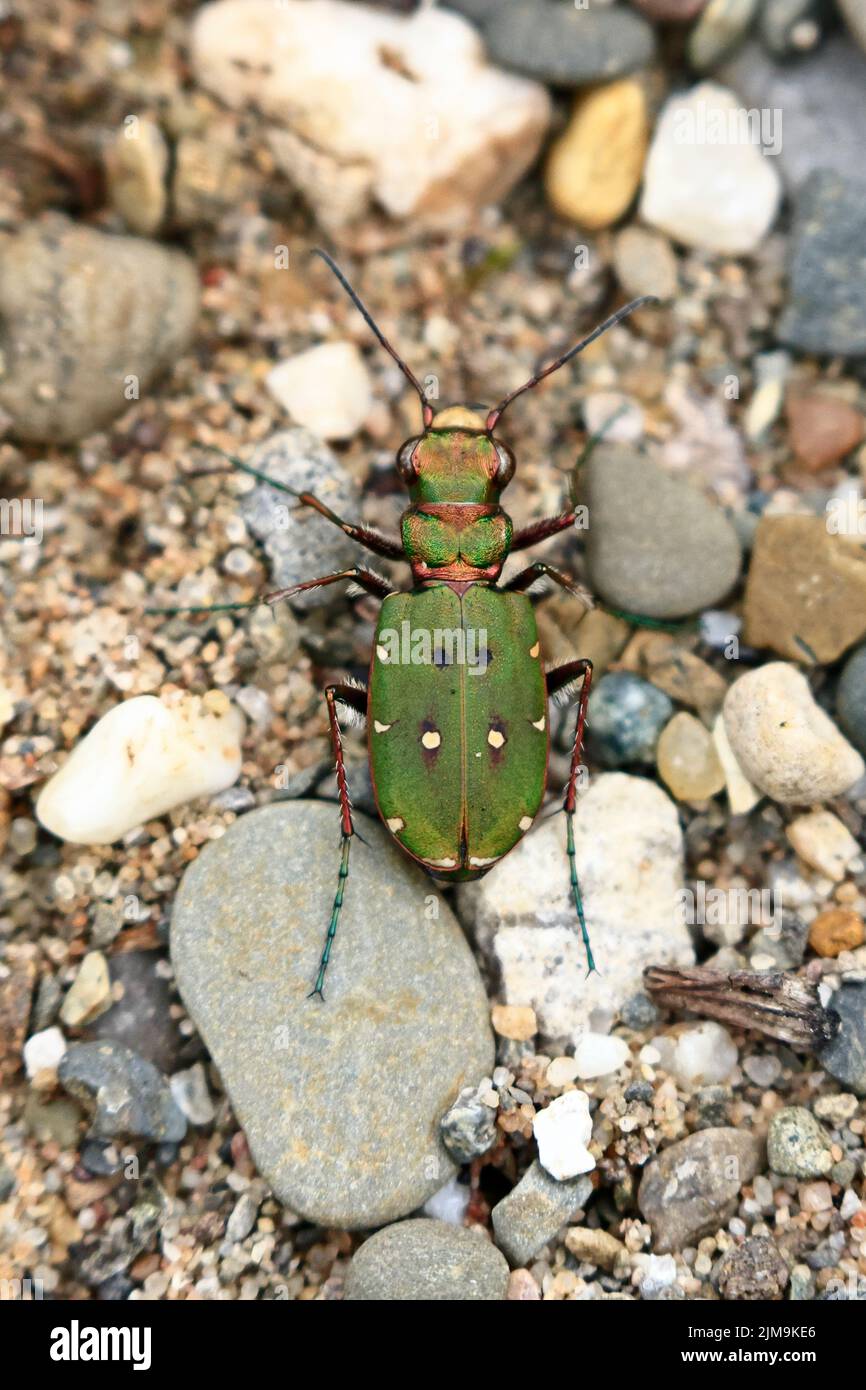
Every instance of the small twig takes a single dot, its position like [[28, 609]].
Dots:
[[782, 1006]]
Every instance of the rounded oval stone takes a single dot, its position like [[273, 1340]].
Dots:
[[427, 1260], [340, 1101]]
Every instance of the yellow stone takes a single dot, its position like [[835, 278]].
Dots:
[[595, 167], [687, 759], [516, 1021]]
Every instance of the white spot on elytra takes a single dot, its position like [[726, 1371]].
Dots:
[[495, 738], [441, 863], [525, 822], [395, 823], [538, 723], [478, 863], [534, 649], [431, 738], [380, 728], [383, 653]]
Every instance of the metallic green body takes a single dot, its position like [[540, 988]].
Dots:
[[458, 728]]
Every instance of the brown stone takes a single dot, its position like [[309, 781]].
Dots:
[[594, 168], [835, 930], [806, 590], [516, 1021], [666, 662], [822, 429]]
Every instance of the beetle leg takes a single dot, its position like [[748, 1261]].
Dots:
[[356, 698], [557, 679], [542, 530], [539, 570], [372, 583]]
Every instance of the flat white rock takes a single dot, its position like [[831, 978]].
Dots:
[[390, 125], [562, 1132], [629, 850], [702, 1054], [784, 742], [143, 758], [326, 389], [706, 184], [824, 843]]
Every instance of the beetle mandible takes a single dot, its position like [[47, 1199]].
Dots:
[[458, 748]]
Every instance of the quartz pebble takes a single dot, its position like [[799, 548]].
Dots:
[[687, 759], [390, 125], [325, 389], [43, 1051], [787, 746], [599, 1054], [825, 844], [715, 194], [702, 1054], [562, 1131], [594, 167], [143, 758]]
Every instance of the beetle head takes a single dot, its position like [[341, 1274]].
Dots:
[[456, 459]]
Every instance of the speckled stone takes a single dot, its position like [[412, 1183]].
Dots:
[[340, 1101], [826, 309], [798, 1145], [534, 1211], [627, 714], [427, 1261], [128, 1096], [692, 1188]]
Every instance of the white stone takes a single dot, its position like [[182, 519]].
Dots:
[[657, 1272], [326, 389], [825, 844], [616, 417], [628, 848], [702, 1054], [784, 742], [562, 1132], [599, 1054], [449, 1203], [742, 796], [90, 992], [190, 1091], [705, 184], [390, 125], [143, 758], [43, 1051]]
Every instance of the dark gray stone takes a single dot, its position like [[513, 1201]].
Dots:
[[656, 546], [826, 310], [141, 1019], [785, 25], [469, 1126], [845, 1057], [427, 1261], [562, 45], [851, 698], [340, 1100], [628, 714], [535, 1210], [127, 1094]]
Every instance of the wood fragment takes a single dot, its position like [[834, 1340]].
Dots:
[[780, 1005]]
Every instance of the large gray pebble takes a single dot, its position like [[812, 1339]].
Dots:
[[82, 313], [299, 543], [691, 1189], [561, 45], [826, 310], [655, 545], [427, 1261], [534, 1211], [340, 1100], [129, 1097]]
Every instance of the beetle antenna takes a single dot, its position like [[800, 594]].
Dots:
[[410, 376], [493, 417]]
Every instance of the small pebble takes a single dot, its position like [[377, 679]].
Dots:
[[701, 1054], [325, 389], [514, 1021], [764, 1068], [534, 1211], [427, 1261], [43, 1051], [628, 714], [822, 429], [645, 263], [594, 167], [798, 1146], [825, 844], [90, 993], [599, 1054], [687, 759], [595, 1247], [851, 698]]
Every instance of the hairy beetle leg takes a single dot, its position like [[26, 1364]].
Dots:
[[557, 679], [356, 698]]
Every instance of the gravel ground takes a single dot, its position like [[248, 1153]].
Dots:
[[150, 285]]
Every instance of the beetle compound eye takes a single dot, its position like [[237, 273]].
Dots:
[[505, 466], [406, 461]]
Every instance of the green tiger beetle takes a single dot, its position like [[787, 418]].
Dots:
[[458, 751]]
